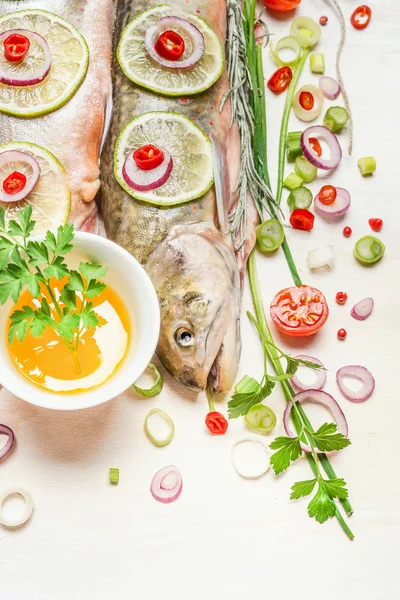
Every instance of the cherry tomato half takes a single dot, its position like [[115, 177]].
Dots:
[[216, 423], [361, 17], [315, 145], [170, 45], [14, 183], [281, 5], [148, 157], [306, 100], [299, 311], [280, 80], [16, 47], [301, 218], [327, 195]]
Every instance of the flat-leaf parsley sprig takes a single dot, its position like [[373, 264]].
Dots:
[[33, 264]]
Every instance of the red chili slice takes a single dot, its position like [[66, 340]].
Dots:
[[361, 17], [216, 423], [327, 195], [316, 146], [301, 218], [14, 183], [280, 80], [148, 157], [306, 100], [375, 224], [170, 45], [16, 47]]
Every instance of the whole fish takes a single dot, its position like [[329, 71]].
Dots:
[[74, 132], [191, 262]]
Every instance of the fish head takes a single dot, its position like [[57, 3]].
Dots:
[[196, 281]]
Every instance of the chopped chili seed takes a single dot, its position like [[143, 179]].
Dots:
[[347, 231], [342, 334]]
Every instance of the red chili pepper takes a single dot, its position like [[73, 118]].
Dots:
[[323, 20], [306, 100], [216, 423], [170, 45], [342, 334], [327, 194], [14, 183], [347, 231], [301, 218], [375, 224], [361, 17], [16, 47], [148, 157], [316, 146], [341, 298], [280, 80]]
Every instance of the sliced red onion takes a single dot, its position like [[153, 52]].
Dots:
[[9, 443], [16, 156], [332, 141], [339, 207], [362, 309], [145, 181], [176, 24], [317, 397], [167, 484], [320, 373], [357, 372], [20, 79], [329, 87]]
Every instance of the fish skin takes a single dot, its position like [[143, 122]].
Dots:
[[191, 263], [74, 132]]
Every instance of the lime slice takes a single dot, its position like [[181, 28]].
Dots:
[[190, 148], [70, 60], [51, 198], [141, 69]]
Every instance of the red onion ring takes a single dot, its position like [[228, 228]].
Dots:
[[176, 24], [10, 156], [9, 443], [318, 397], [358, 372], [321, 375], [17, 79], [145, 181], [339, 207], [332, 141], [362, 309], [329, 87], [161, 490]]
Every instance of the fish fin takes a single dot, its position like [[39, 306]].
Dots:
[[220, 175]]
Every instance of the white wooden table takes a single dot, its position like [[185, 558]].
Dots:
[[226, 537]]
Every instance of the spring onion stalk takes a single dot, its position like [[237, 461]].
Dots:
[[367, 165], [336, 118], [300, 197], [284, 43], [287, 389], [156, 388], [306, 31], [304, 169], [292, 181], [317, 63], [154, 440], [114, 476]]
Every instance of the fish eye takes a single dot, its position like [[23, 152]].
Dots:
[[184, 337]]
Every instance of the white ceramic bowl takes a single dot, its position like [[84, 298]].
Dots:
[[132, 283]]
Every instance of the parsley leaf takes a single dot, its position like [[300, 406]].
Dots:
[[6, 247], [248, 392], [303, 488], [38, 253], [90, 271], [321, 506], [9, 286], [25, 320], [89, 317], [58, 269], [68, 297], [61, 244], [67, 325], [95, 288], [326, 440], [335, 488], [2, 219], [288, 449], [75, 283]]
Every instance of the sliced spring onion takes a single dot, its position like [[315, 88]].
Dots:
[[304, 169], [293, 145], [114, 476], [285, 43], [321, 257], [369, 250], [308, 115], [367, 165], [240, 463], [156, 388], [26, 515], [270, 236], [335, 118], [306, 31], [260, 418], [300, 197], [157, 442], [292, 181], [317, 63]]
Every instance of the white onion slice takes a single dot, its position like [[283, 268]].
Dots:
[[362, 309], [264, 453], [331, 140], [29, 505], [20, 79], [317, 397], [166, 485], [16, 156], [144, 181], [176, 24], [357, 372], [329, 87], [4, 430], [320, 373], [339, 207], [321, 257], [308, 115]]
